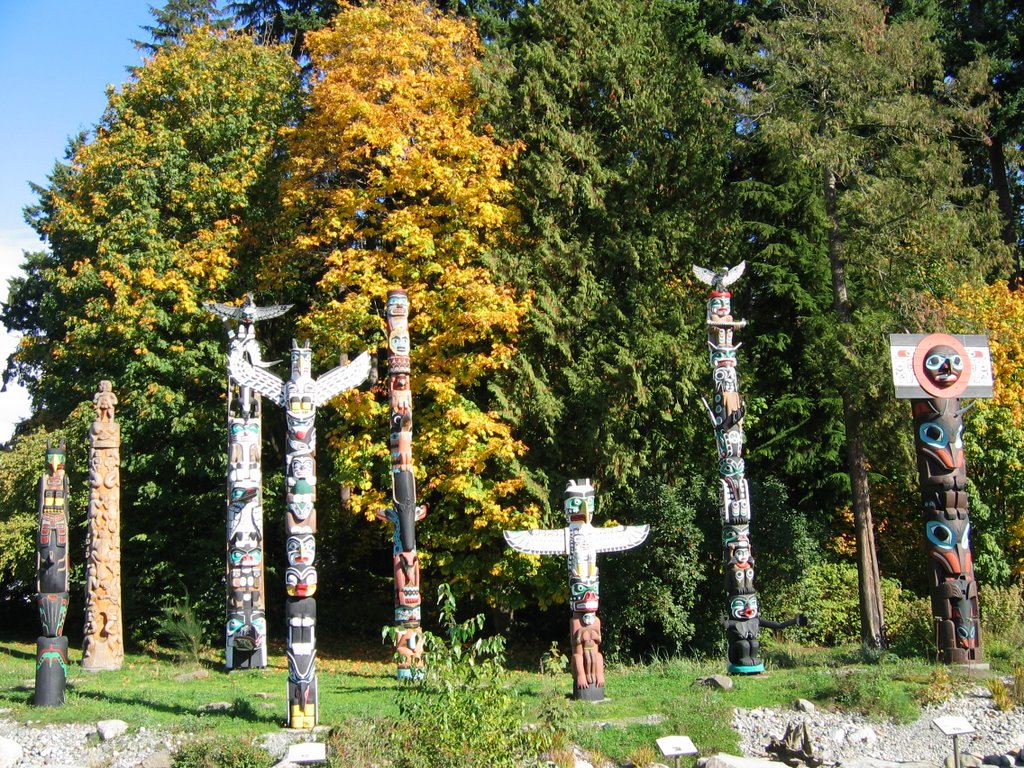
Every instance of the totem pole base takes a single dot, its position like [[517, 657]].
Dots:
[[404, 673], [590, 693], [238, 658], [300, 717], [51, 671], [745, 669]]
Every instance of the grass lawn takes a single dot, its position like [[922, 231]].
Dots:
[[643, 702]]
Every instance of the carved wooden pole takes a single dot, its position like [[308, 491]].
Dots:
[[404, 513], [103, 644], [52, 566], [934, 372], [743, 619], [245, 644], [581, 542], [300, 397]]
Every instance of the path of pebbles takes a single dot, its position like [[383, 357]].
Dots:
[[843, 738]]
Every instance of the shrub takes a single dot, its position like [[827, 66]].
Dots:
[[182, 627], [220, 752], [463, 711], [873, 692]]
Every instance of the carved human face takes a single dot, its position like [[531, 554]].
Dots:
[[943, 365], [743, 607]]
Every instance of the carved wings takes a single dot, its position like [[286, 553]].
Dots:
[[248, 312], [257, 378], [539, 542], [719, 280], [556, 542], [337, 380], [620, 538]]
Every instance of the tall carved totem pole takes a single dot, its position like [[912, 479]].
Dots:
[[934, 372], [245, 633], [404, 513], [52, 565], [581, 542], [743, 619], [103, 644], [300, 397]]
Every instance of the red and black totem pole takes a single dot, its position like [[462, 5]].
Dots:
[[52, 564], [934, 372], [743, 620], [404, 513]]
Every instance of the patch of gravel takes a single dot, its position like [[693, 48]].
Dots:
[[846, 738], [78, 745]]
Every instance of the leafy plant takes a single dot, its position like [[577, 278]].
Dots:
[[554, 662], [1002, 698], [463, 712], [220, 752], [182, 626]]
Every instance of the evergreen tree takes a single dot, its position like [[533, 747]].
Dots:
[[620, 186], [857, 105]]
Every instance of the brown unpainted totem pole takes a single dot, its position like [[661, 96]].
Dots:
[[103, 644], [404, 513], [934, 372]]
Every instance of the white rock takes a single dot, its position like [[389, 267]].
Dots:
[[865, 735], [111, 729], [723, 760], [803, 705], [10, 752]]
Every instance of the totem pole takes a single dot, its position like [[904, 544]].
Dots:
[[404, 514], [743, 621], [103, 644], [581, 542], [53, 564], [300, 397], [934, 372], [245, 634]]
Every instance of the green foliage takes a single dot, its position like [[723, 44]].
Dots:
[[619, 188], [873, 692], [554, 662], [827, 595], [220, 752], [647, 594], [462, 712], [182, 627], [155, 210], [1002, 621]]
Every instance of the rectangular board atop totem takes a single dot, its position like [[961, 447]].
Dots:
[[909, 354]]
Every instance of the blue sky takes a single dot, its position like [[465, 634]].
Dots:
[[57, 58]]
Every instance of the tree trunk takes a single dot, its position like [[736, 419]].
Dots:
[[871, 631]]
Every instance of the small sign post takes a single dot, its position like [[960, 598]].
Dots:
[[676, 746], [955, 726]]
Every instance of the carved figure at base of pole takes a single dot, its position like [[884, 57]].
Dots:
[[587, 661]]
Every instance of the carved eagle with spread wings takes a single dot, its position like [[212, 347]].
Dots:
[[332, 383], [720, 280], [248, 312], [557, 541]]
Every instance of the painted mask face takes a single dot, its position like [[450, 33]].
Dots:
[[398, 304], [583, 595], [719, 307], [301, 550], [950, 543], [579, 502], [300, 581], [743, 607], [942, 439], [398, 341], [943, 365], [245, 550]]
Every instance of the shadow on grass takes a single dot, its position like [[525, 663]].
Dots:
[[241, 709], [17, 653]]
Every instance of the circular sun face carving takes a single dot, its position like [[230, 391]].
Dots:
[[941, 365]]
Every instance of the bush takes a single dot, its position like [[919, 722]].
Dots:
[[1002, 620], [828, 594], [220, 752], [463, 712], [647, 594]]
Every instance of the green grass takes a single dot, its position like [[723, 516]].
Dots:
[[358, 684]]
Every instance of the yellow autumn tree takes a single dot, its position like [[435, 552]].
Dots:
[[390, 184], [995, 428]]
